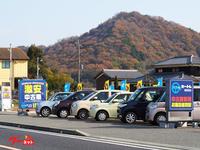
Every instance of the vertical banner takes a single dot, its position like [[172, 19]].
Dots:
[[67, 87], [139, 84], [180, 95], [31, 92], [123, 85], [128, 87], [106, 85], [80, 87], [6, 97], [111, 87], [160, 81]]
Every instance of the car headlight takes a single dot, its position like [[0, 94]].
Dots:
[[74, 105], [56, 103], [94, 106], [122, 105]]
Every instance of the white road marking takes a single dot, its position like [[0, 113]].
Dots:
[[8, 147], [127, 143]]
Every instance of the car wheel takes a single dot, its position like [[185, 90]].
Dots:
[[83, 114], [45, 112], [63, 113], [160, 117], [130, 117], [101, 116]]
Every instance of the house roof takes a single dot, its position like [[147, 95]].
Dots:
[[165, 76], [17, 54], [180, 60], [120, 73]]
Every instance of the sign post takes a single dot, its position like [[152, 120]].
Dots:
[[180, 102], [6, 97], [31, 92]]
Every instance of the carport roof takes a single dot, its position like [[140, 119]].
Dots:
[[120, 73]]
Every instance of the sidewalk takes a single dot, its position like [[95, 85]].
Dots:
[[142, 132]]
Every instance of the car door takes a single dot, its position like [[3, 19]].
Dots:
[[196, 110], [113, 105], [149, 96]]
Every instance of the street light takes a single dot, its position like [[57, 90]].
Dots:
[[38, 67]]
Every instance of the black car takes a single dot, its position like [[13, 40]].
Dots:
[[62, 108], [135, 108]]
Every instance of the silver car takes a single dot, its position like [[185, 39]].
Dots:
[[44, 107]]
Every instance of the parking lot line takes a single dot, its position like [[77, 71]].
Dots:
[[8, 147]]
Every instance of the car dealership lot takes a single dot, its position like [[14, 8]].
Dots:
[[140, 131]]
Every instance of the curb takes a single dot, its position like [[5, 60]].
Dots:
[[55, 130]]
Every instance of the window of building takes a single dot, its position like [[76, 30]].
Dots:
[[5, 64]]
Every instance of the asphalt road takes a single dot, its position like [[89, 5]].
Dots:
[[54, 141]]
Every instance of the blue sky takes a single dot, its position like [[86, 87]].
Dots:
[[44, 22]]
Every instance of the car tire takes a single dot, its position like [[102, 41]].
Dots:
[[45, 112], [101, 116], [63, 113], [130, 117], [83, 114], [159, 117]]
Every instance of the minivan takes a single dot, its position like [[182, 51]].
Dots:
[[156, 110], [135, 108]]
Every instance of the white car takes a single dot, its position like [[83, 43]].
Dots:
[[108, 109], [80, 109], [44, 107]]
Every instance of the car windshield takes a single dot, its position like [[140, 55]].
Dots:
[[51, 97], [135, 94], [110, 98], [90, 95]]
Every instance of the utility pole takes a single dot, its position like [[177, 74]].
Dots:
[[79, 63], [38, 68], [11, 72]]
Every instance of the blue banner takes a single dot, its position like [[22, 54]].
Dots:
[[67, 87], [160, 81], [31, 92], [181, 95], [123, 85], [111, 87]]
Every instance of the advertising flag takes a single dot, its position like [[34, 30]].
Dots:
[[67, 87], [123, 85], [80, 86], [106, 85], [160, 81], [139, 84], [128, 87], [111, 87]]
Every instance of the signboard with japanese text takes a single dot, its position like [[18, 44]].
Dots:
[[181, 95], [31, 92], [6, 97]]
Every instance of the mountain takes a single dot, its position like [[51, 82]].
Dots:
[[126, 41]]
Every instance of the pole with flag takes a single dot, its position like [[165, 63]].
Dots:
[[139, 84], [106, 85]]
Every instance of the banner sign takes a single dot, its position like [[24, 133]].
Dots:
[[67, 87], [31, 92], [6, 97], [181, 95], [160, 81], [123, 85]]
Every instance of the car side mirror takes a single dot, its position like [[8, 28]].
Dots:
[[94, 98]]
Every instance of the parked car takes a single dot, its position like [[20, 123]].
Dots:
[[135, 108], [80, 109], [156, 111], [44, 107], [108, 109], [62, 108]]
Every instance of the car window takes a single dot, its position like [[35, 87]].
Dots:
[[136, 94], [196, 94], [122, 97], [101, 96], [152, 95]]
